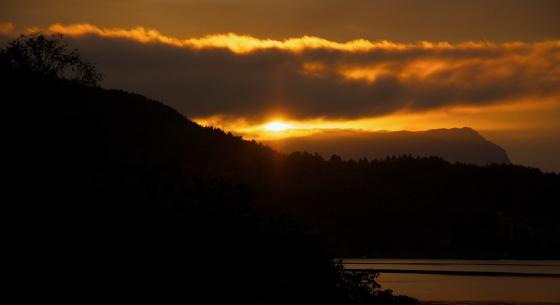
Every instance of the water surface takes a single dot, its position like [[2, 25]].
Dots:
[[522, 281]]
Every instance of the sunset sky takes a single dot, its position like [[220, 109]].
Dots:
[[271, 69]]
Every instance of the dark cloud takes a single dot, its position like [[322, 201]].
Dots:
[[326, 82]]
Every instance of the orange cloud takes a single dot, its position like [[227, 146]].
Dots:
[[246, 44], [520, 115], [235, 43], [317, 83], [6, 28]]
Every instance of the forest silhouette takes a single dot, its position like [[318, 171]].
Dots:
[[111, 195], [111, 189]]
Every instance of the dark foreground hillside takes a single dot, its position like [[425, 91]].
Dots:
[[107, 194], [116, 186], [422, 208], [399, 206]]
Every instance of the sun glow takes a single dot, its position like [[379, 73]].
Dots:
[[277, 126], [520, 115]]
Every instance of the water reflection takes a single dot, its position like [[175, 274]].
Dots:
[[534, 281]]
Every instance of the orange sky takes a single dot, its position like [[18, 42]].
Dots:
[[323, 65], [339, 20], [525, 112]]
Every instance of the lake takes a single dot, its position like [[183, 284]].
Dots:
[[512, 281]]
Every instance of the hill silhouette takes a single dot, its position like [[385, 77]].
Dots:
[[397, 206], [108, 194], [454, 145], [115, 179]]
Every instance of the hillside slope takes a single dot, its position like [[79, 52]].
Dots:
[[107, 193], [61, 137]]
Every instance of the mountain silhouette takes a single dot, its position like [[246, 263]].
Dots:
[[120, 195], [98, 168], [454, 145], [64, 139]]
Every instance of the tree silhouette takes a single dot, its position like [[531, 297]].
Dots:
[[50, 56], [108, 186], [106, 203]]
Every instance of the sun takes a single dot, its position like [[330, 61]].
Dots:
[[277, 126]]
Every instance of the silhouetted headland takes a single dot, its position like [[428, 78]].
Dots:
[[454, 145]]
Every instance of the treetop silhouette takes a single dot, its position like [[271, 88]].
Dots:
[[50, 56]]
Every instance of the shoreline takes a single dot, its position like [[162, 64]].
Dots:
[[459, 273]]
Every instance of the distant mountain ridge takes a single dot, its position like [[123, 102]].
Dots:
[[463, 145]]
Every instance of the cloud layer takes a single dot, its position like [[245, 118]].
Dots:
[[310, 77], [6, 27]]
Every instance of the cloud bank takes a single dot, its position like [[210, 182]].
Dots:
[[6, 27], [309, 77]]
